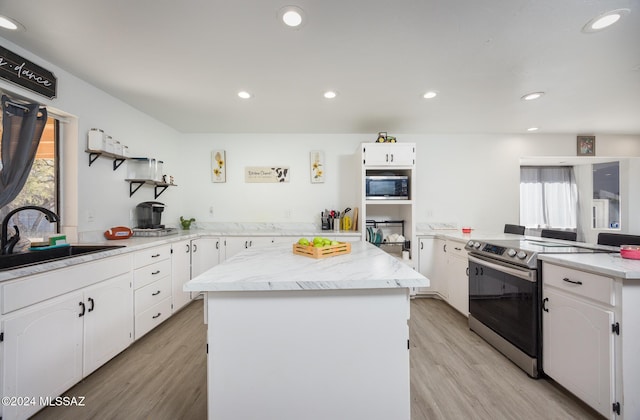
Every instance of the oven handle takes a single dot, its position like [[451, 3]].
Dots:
[[525, 274]]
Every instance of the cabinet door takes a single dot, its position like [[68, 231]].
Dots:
[[458, 278], [108, 322], [235, 244], [42, 352], [205, 253], [578, 348], [426, 263], [441, 274], [396, 154], [180, 273]]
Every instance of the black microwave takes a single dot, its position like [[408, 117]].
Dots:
[[387, 187]]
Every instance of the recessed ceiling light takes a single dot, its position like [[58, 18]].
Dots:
[[292, 16], [531, 96], [532, 129], [11, 24], [604, 21], [330, 94], [430, 95], [244, 94]]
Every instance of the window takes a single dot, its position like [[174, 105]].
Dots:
[[41, 188], [606, 195], [548, 197]]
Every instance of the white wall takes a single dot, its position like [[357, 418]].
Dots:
[[465, 179], [102, 193]]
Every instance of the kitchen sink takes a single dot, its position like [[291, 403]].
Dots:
[[12, 261]]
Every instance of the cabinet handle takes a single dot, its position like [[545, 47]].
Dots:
[[387, 157], [155, 272], [467, 271], [578, 282], [457, 249], [250, 243], [155, 255], [246, 244], [155, 293], [188, 249], [157, 315], [391, 157], [444, 248], [217, 244], [93, 305], [195, 247], [544, 304], [81, 314], [421, 245]]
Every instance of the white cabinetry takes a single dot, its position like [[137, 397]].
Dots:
[[444, 262], [577, 319], [388, 158], [235, 244], [54, 337], [152, 284], [180, 273], [458, 277], [205, 253], [388, 154]]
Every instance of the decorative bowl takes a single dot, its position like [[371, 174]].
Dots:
[[630, 251]]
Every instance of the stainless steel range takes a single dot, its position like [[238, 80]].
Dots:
[[505, 290]]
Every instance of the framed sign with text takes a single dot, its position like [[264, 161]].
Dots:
[[26, 74]]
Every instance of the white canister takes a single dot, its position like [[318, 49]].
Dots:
[[125, 150], [95, 139], [108, 144], [158, 170], [117, 148]]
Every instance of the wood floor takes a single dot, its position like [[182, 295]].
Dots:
[[454, 375]]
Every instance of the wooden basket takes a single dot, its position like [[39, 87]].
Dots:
[[322, 252]]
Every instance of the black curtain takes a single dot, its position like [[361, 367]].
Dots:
[[22, 127]]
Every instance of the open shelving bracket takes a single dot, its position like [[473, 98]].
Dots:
[[133, 190], [163, 188], [117, 160], [93, 156]]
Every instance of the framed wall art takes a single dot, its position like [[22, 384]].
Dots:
[[316, 162], [218, 166], [266, 174], [586, 145]]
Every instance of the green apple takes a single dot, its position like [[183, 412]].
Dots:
[[303, 241], [335, 243]]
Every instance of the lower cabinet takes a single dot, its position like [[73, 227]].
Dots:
[[444, 262], [180, 273], [50, 346], [578, 335], [235, 244]]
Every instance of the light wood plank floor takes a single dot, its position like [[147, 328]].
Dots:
[[454, 375]]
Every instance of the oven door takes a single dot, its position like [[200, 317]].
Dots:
[[505, 299]]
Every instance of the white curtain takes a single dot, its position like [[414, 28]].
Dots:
[[548, 197]]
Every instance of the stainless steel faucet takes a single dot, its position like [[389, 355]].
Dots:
[[6, 245]]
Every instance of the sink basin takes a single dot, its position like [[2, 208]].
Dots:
[[12, 261]]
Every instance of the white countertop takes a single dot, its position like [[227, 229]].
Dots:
[[278, 268], [607, 264]]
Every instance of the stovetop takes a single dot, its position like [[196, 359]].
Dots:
[[164, 231], [524, 252]]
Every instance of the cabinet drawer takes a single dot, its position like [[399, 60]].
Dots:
[[588, 285], [152, 317], [151, 255], [150, 273], [456, 248], [40, 287], [151, 294]]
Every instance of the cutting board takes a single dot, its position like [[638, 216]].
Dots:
[[354, 226]]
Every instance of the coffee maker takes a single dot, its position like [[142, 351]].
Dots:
[[149, 214]]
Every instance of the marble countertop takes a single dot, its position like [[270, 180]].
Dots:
[[138, 243], [278, 268], [606, 264]]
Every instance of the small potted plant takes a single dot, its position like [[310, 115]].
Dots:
[[186, 223]]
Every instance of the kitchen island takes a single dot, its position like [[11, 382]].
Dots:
[[292, 337]]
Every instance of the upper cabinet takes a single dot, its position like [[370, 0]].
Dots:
[[388, 154]]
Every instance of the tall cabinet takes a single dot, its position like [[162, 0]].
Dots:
[[388, 216]]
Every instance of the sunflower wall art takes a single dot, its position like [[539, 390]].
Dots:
[[218, 166], [316, 160]]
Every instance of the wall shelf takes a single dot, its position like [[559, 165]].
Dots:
[[159, 187], [95, 154]]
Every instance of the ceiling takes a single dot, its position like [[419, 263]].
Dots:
[[183, 62]]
